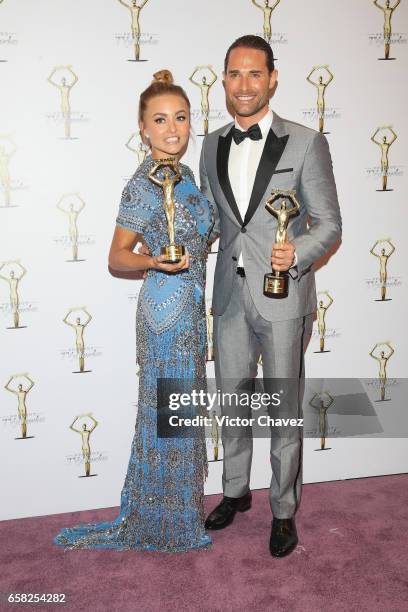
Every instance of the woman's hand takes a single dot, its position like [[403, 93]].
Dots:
[[157, 263]]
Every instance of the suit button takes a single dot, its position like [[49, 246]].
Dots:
[[234, 258], [243, 230]]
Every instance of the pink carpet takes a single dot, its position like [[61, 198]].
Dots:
[[352, 557]]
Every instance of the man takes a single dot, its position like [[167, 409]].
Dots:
[[240, 164]]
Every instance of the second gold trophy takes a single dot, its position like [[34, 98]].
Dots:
[[276, 284], [166, 173]]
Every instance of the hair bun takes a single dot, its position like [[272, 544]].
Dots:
[[164, 76]]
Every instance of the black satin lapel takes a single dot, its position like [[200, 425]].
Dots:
[[224, 145], [271, 155]]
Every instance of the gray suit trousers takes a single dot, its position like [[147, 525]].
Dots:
[[241, 334]]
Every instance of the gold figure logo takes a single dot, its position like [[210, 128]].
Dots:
[[171, 173], [135, 9], [210, 335], [6, 153], [85, 434], [321, 310], [382, 356], [383, 257], [388, 11], [320, 85], [322, 402], [384, 145], [139, 148], [205, 85], [64, 88], [79, 327], [215, 435], [21, 394], [72, 214], [267, 12], [13, 279], [276, 284]]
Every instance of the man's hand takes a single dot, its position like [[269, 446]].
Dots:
[[283, 256]]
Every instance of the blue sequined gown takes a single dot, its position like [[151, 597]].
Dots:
[[163, 494]]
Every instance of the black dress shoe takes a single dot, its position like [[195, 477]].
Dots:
[[283, 537], [224, 513]]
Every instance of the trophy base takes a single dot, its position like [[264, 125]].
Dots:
[[324, 351], [173, 253], [383, 190], [318, 450], [386, 59], [24, 438], [137, 60], [276, 286], [384, 300]]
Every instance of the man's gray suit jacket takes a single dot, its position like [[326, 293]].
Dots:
[[294, 157]]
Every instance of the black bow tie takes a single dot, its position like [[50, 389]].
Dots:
[[254, 133]]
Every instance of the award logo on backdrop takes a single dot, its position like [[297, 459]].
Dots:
[[210, 335], [139, 148], [64, 88], [79, 329], [384, 145], [21, 392], [16, 271], [205, 85], [322, 402], [388, 11], [173, 252], [5, 158], [267, 13], [135, 10], [6, 38], [85, 434], [276, 284], [72, 214], [321, 311], [321, 86], [215, 436], [382, 356], [383, 257]]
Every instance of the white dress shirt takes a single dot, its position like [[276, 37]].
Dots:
[[243, 163]]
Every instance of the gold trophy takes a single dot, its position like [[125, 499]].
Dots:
[[85, 434], [173, 252], [384, 145], [321, 90], [21, 394], [388, 10], [16, 271], [215, 435], [383, 257], [210, 335], [135, 10], [321, 319], [318, 402], [205, 86], [276, 284], [7, 150], [267, 11], [382, 357]]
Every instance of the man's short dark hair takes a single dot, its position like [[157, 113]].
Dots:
[[251, 41]]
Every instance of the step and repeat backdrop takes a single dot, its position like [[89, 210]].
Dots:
[[70, 76]]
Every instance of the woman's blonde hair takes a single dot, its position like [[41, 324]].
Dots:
[[162, 84]]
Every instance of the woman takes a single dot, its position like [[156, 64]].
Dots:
[[162, 498]]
